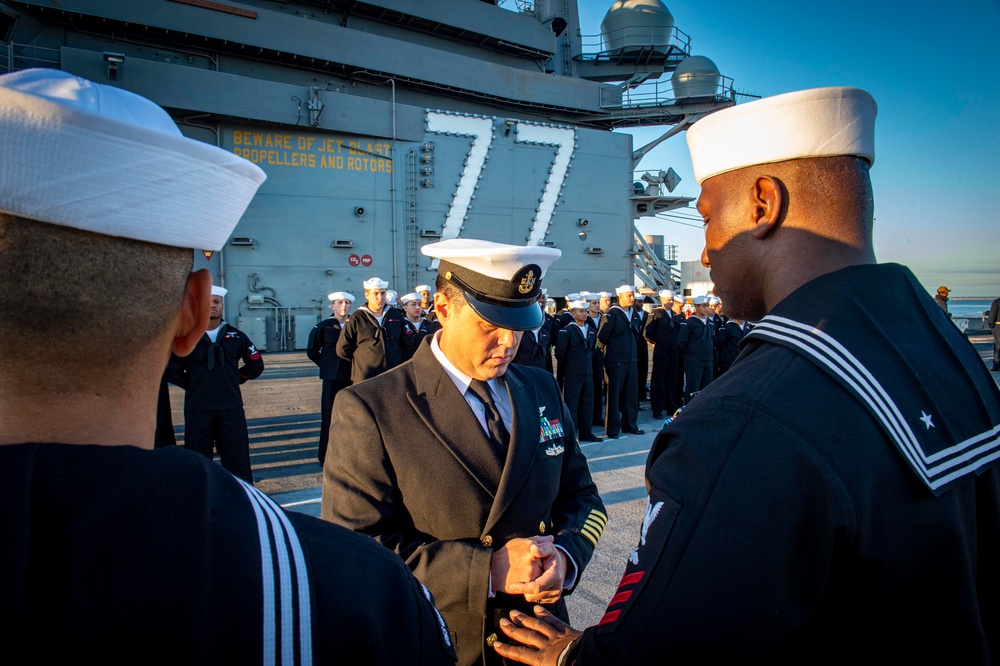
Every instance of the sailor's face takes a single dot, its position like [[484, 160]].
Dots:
[[626, 299], [579, 315], [726, 206], [473, 345], [376, 299], [215, 307], [341, 307], [594, 308], [605, 303], [412, 310]]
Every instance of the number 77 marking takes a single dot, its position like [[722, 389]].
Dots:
[[480, 129], [564, 140]]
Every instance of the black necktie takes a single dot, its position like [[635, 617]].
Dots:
[[498, 431]]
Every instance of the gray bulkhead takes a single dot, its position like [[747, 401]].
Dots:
[[377, 135]]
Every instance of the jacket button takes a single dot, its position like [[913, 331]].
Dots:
[[491, 639], [487, 541], [541, 527]]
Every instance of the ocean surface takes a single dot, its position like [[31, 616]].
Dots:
[[974, 309]]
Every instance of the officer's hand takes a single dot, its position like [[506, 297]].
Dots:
[[540, 639], [547, 587], [519, 561]]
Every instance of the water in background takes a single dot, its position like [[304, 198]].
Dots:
[[973, 309]]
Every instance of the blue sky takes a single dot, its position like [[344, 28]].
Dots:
[[934, 70]]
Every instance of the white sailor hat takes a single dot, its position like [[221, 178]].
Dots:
[[624, 289], [412, 296], [578, 305], [822, 122], [499, 281], [340, 296], [714, 300], [699, 300], [573, 296], [219, 291], [423, 287], [666, 293], [375, 283], [604, 294], [391, 296], [588, 296], [102, 159]]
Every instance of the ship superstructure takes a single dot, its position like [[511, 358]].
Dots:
[[387, 124]]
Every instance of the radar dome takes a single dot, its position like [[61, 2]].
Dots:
[[636, 25], [696, 76]]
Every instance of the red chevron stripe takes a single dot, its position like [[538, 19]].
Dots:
[[610, 616]]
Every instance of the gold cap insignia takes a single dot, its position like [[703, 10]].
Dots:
[[527, 283]]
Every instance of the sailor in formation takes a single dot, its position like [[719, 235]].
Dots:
[[697, 340], [426, 300], [333, 370], [617, 337], [372, 340], [594, 321], [417, 326], [727, 343], [211, 375], [575, 346], [835, 495], [115, 552], [474, 477], [661, 331], [639, 315], [536, 344], [552, 325]]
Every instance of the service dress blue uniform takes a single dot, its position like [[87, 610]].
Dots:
[[834, 496], [119, 555], [372, 345], [211, 376], [333, 370], [574, 351], [424, 480], [662, 329], [697, 340], [617, 338], [536, 348]]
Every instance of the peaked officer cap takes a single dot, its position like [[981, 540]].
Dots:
[[501, 282]]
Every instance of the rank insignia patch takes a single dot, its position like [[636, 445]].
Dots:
[[593, 527], [657, 524]]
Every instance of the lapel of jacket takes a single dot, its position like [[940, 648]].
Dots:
[[447, 415], [523, 445]]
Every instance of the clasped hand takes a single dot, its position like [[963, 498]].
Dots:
[[533, 567], [540, 641]]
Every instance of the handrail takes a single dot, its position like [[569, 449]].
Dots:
[[598, 45], [25, 56]]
